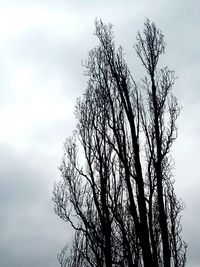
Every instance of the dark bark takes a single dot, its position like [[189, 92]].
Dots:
[[121, 203]]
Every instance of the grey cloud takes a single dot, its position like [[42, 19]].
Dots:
[[191, 219], [30, 232]]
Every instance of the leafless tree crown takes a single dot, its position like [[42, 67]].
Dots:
[[120, 200]]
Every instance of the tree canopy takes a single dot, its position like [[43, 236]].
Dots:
[[119, 194]]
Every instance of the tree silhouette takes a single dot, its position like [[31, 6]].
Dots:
[[120, 200]]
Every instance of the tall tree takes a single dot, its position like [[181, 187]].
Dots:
[[121, 200]]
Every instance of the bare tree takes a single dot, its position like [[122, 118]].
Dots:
[[121, 200]]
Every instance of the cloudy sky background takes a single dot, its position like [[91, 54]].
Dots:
[[42, 44]]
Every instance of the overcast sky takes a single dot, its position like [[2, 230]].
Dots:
[[42, 43]]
